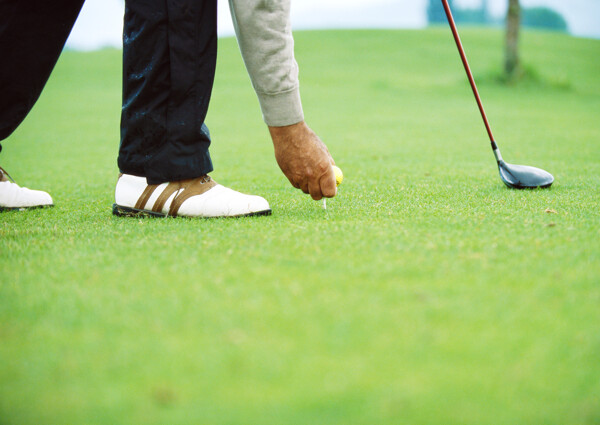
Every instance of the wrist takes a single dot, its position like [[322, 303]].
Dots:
[[288, 132]]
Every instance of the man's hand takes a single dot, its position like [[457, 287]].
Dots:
[[304, 159]]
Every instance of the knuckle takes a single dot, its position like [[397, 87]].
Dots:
[[323, 168]]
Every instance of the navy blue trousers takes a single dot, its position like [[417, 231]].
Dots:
[[169, 59], [32, 35]]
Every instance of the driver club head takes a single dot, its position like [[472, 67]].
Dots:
[[524, 176]]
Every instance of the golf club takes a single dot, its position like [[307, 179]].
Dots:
[[514, 176]]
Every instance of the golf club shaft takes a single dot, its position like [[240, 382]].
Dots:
[[463, 56]]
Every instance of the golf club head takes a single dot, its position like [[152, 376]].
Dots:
[[524, 176]]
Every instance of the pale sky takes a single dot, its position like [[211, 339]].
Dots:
[[101, 21]]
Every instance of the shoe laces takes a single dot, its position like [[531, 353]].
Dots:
[[3, 173]]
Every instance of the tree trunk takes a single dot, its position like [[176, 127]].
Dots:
[[484, 11], [513, 22]]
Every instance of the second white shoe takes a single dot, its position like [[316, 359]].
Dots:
[[200, 197], [15, 197]]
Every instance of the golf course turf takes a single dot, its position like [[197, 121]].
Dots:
[[426, 293]]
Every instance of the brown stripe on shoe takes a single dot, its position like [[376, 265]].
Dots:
[[192, 187], [185, 188], [146, 194], [171, 188]]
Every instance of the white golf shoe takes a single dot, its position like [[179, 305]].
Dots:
[[15, 197], [199, 197]]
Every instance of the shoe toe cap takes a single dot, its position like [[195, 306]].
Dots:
[[223, 202], [44, 198], [14, 196], [258, 204], [35, 198]]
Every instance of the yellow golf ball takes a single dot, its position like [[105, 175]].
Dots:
[[339, 176]]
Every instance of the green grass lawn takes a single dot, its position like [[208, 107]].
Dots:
[[427, 292]]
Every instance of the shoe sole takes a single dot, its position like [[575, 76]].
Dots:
[[121, 211], [35, 207]]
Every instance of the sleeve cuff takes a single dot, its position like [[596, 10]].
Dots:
[[281, 109]]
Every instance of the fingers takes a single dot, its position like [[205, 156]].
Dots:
[[304, 187], [305, 160], [292, 180], [323, 186], [314, 188], [328, 186]]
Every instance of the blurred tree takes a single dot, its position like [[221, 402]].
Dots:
[[539, 17], [511, 56], [484, 11], [435, 12], [474, 15], [485, 5], [543, 17]]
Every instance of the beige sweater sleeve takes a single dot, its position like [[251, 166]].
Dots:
[[264, 35]]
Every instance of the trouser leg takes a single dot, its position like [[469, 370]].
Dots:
[[169, 59], [32, 36]]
